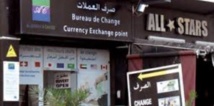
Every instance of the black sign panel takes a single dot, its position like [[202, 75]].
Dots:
[[173, 24], [78, 19], [161, 86]]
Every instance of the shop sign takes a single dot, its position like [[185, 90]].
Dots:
[[77, 19], [181, 25], [161, 86], [62, 80]]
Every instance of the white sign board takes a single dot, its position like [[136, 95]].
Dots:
[[11, 81], [58, 58], [31, 65], [161, 86], [62, 80], [94, 70]]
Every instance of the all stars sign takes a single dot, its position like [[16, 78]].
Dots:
[[181, 25]]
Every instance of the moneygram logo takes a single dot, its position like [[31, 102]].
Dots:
[[41, 10]]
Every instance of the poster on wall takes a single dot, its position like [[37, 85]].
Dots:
[[94, 76], [161, 86], [62, 80], [11, 81], [59, 58], [31, 65]]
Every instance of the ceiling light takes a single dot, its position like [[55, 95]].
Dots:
[[157, 38], [141, 7], [204, 43], [155, 1], [212, 1]]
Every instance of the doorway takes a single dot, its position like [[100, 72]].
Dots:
[[26, 97], [204, 82]]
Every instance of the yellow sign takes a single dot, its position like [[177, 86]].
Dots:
[[11, 52]]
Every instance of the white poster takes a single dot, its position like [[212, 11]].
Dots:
[[62, 80], [58, 58], [11, 81], [31, 65], [94, 71]]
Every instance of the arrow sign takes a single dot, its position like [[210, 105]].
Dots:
[[154, 74]]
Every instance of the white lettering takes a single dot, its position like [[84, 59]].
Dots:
[[204, 28], [110, 21], [81, 18], [156, 23], [151, 22], [101, 32], [144, 102], [187, 26], [192, 27], [180, 25], [76, 30]]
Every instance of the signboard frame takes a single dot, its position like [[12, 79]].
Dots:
[[158, 71], [71, 20]]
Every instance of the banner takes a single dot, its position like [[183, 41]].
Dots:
[[161, 86]]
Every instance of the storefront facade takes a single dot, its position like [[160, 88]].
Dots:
[[74, 39], [165, 37]]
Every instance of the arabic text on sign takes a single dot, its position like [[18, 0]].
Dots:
[[95, 7]]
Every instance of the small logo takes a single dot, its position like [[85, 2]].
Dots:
[[11, 66], [41, 10]]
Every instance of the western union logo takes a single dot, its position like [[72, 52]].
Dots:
[[11, 52]]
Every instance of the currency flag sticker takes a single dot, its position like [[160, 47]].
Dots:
[[94, 66], [60, 65], [37, 64], [83, 66], [104, 67], [49, 65], [71, 66], [23, 63]]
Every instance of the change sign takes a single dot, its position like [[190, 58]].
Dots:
[[161, 86]]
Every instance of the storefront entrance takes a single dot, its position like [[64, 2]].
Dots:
[[204, 82], [156, 57], [26, 97], [66, 68]]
